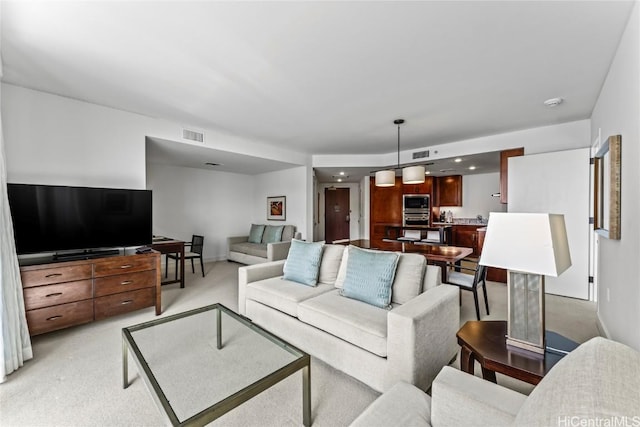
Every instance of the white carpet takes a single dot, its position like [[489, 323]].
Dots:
[[75, 378]]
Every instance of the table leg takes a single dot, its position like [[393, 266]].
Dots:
[[467, 361], [306, 396], [125, 361], [219, 327], [182, 266], [489, 375]]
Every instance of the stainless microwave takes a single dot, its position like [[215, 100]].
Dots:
[[416, 202]]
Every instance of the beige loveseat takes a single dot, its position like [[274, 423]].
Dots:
[[240, 249], [598, 384], [410, 341]]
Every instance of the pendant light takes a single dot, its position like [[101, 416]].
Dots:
[[410, 175]]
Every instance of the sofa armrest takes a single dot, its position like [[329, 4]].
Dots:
[[460, 399], [278, 250], [253, 273], [421, 336], [401, 405]]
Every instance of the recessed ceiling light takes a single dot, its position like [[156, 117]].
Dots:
[[341, 173], [339, 179], [458, 160], [553, 102], [472, 168], [427, 172]]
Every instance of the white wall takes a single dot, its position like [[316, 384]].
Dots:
[[292, 183], [355, 225], [476, 196], [189, 201], [56, 140], [617, 112]]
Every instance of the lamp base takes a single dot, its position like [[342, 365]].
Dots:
[[529, 347], [525, 329]]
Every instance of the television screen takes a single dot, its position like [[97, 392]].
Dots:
[[49, 218]]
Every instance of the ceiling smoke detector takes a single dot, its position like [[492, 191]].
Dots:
[[553, 102]]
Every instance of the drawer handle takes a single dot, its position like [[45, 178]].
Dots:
[[126, 282], [129, 301], [54, 318], [53, 275], [53, 295], [126, 266]]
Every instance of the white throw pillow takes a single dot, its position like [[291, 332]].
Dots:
[[330, 264]]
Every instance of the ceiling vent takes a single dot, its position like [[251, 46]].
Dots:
[[421, 154], [193, 135]]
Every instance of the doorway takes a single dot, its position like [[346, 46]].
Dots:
[[337, 215]]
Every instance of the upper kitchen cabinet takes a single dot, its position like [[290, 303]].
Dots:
[[449, 190], [425, 188], [504, 165]]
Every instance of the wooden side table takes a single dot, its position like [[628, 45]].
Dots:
[[485, 342]]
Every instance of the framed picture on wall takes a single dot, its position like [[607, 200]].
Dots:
[[277, 208]]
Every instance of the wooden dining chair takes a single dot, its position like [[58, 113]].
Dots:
[[470, 282], [194, 252]]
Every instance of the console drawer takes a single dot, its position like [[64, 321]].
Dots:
[[124, 302], [120, 265], [124, 282], [45, 276], [59, 316], [60, 293]]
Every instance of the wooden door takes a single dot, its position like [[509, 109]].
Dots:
[[336, 214]]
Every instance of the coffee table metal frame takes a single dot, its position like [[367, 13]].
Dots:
[[303, 362]]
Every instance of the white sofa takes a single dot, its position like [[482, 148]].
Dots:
[[410, 342], [596, 384], [239, 249]]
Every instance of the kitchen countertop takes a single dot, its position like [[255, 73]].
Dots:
[[463, 222]]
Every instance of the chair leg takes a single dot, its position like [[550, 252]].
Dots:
[[166, 266], [475, 298], [486, 300], [177, 263], [202, 265], [193, 268]]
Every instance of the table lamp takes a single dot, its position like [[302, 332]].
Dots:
[[529, 246]]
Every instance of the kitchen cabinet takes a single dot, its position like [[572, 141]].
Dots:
[[466, 236], [449, 191], [504, 170], [425, 188], [385, 208]]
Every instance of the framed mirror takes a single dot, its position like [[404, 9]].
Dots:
[[606, 187]]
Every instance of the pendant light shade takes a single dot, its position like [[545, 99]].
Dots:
[[410, 175], [385, 178], [413, 175]]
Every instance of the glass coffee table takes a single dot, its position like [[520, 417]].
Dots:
[[200, 364]]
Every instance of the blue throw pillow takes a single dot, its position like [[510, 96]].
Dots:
[[303, 262], [370, 276], [255, 235], [272, 233]]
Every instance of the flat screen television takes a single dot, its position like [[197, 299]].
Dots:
[[50, 218]]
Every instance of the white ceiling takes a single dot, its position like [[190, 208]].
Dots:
[[321, 77]]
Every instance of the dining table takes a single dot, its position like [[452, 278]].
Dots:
[[441, 255]]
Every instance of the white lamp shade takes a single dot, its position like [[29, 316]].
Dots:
[[529, 242], [385, 178], [413, 175]]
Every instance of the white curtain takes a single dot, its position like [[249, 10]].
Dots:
[[14, 339]]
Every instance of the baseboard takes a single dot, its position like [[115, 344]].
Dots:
[[601, 327]]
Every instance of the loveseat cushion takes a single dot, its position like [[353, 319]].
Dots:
[[598, 380], [330, 264], [283, 295], [255, 234], [356, 322], [255, 249], [288, 232], [272, 233], [409, 280], [303, 262], [369, 276]]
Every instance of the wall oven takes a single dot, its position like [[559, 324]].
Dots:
[[416, 210]]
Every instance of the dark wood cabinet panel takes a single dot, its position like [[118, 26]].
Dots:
[[504, 170], [466, 236], [449, 191], [425, 188], [386, 203]]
